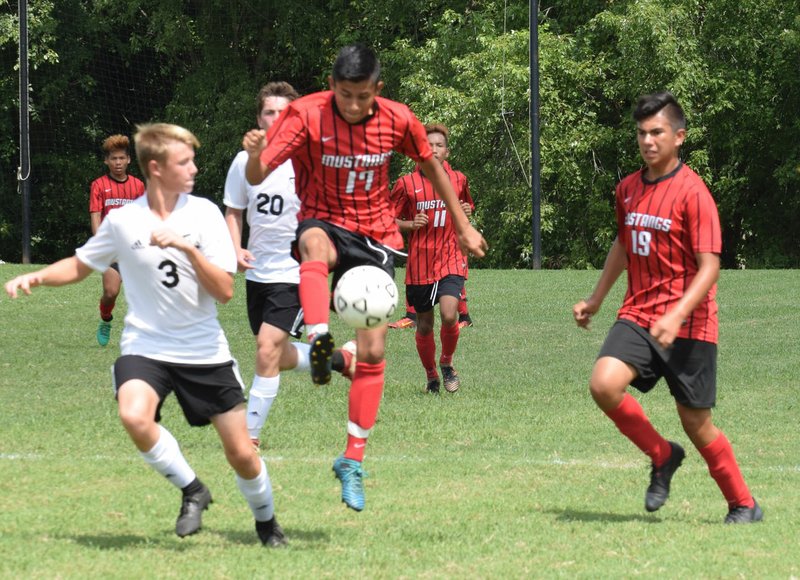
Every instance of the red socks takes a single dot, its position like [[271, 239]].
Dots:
[[365, 398], [105, 311], [631, 420], [426, 347], [449, 337], [723, 468], [315, 298]]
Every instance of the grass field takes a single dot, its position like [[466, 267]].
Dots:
[[517, 475]]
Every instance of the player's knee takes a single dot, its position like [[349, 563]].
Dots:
[[243, 460]]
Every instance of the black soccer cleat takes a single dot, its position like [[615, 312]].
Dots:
[[742, 514], [271, 534], [190, 519], [433, 386], [450, 379], [660, 478], [320, 355]]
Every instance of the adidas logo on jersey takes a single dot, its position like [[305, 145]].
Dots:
[[137, 245]]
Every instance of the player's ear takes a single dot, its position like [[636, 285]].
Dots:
[[680, 137], [378, 87]]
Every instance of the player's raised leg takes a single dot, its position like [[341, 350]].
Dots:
[[608, 384], [317, 256]]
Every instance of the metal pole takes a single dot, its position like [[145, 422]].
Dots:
[[24, 170], [536, 197]]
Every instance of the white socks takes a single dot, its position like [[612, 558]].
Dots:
[[166, 458], [258, 493], [303, 360], [259, 400]]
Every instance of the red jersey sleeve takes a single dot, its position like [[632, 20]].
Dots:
[[96, 196], [286, 136], [400, 200], [703, 222]]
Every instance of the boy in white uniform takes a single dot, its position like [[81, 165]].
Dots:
[[175, 254], [273, 275]]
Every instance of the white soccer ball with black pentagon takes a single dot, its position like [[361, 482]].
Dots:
[[365, 297]]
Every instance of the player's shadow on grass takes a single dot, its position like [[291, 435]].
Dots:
[[126, 542], [294, 536], [586, 516]]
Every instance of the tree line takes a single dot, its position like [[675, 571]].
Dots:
[[102, 67]]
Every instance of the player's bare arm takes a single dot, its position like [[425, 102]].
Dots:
[[95, 219], [615, 264], [214, 279], [66, 271], [471, 241], [420, 220], [254, 142], [234, 220], [665, 330]]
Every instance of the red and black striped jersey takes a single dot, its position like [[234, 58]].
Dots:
[[433, 251], [342, 170], [106, 193], [663, 225]]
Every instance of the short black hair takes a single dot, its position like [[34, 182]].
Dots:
[[651, 104], [356, 63]]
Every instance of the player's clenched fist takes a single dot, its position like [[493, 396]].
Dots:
[[254, 141]]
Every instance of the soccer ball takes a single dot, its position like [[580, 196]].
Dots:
[[365, 297]]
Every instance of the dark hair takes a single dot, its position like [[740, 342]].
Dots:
[[356, 63], [651, 104], [275, 89], [116, 143], [438, 128]]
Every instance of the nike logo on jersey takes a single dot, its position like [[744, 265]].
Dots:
[[326, 139], [107, 190], [418, 190]]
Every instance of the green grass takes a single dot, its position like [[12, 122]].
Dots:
[[516, 475]]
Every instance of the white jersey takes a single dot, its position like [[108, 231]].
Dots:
[[171, 317], [272, 208]]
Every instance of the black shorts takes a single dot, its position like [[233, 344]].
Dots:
[[423, 296], [352, 249], [689, 366], [203, 391], [276, 304]]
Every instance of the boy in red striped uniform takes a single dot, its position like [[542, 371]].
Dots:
[[436, 267], [340, 143], [108, 192], [669, 239]]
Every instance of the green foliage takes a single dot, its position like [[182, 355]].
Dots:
[[104, 66]]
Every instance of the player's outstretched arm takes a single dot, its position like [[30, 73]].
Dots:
[[471, 241], [615, 264], [254, 142], [66, 271]]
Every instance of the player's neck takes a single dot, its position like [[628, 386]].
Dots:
[[658, 171], [119, 178], [162, 203]]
